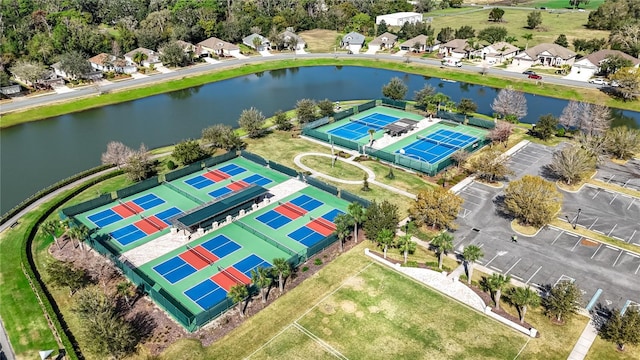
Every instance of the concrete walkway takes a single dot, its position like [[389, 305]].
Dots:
[[584, 343]]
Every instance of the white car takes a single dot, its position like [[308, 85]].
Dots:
[[598, 81]]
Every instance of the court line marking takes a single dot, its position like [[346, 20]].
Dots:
[[512, 266], [615, 262], [534, 274]]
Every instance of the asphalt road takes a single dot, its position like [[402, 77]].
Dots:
[[26, 102], [6, 352]]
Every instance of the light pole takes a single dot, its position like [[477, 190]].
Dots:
[[575, 223]]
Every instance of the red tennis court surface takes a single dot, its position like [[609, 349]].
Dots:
[[322, 226], [229, 277], [235, 186], [198, 257], [291, 211], [150, 225], [125, 210], [216, 175]]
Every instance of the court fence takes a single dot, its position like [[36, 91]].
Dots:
[[398, 104], [255, 158], [343, 114], [283, 169], [459, 118], [101, 200], [344, 143], [321, 245], [138, 187], [176, 174], [321, 185], [366, 106], [345, 195], [316, 123], [322, 136], [215, 160]]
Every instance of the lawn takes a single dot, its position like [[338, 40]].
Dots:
[[320, 40], [404, 180], [564, 4], [603, 350], [340, 169]]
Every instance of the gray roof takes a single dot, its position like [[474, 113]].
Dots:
[[287, 35], [353, 38], [390, 39], [597, 57], [457, 45], [217, 44], [150, 53], [553, 49], [249, 39], [422, 39]]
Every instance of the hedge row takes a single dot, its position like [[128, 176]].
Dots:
[[30, 200], [68, 341]]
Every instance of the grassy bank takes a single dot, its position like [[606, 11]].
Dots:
[[559, 91]]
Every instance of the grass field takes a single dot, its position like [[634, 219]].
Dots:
[[564, 4], [602, 350], [320, 40], [340, 169]]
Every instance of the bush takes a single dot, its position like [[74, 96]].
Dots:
[[411, 263], [171, 165], [561, 132], [317, 261], [305, 268]]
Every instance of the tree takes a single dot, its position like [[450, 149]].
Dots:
[[406, 246], [382, 28], [425, 95], [358, 215], [446, 34], [443, 243], [74, 65], [510, 102], [252, 121], [326, 107], [172, 54], [465, 32], [612, 63], [282, 121], [395, 89], [305, 111], [572, 164], [627, 38], [238, 293], [139, 166], [466, 106], [546, 126], [79, 233], [29, 71], [51, 227], [188, 152], [222, 136], [471, 254], [344, 223], [261, 277], [532, 200], [117, 154], [127, 291], [523, 298], [576, 3], [380, 216], [365, 181], [424, 6], [496, 15], [534, 19], [489, 165], [460, 157], [527, 37], [623, 142], [595, 145], [501, 132], [596, 119], [282, 269], [139, 57], [62, 274], [622, 329], [628, 80], [496, 284], [493, 34], [570, 117], [436, 207], [562, 40], [562, 300], [384, 239]]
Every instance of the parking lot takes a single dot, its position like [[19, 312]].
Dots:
[[627, 175], [606, 212], [530, 160]]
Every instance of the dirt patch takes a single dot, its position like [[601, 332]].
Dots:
[[373, 309], [348, 306], [587, 242], [356, 283], [327, 309], [359, 314]]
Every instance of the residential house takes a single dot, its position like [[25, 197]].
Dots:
[[187, 47], [546, 54], [10, 89], [152, 57], [292, 41], [92, 75], [263, 42], [215, 46], [399, 18], [590, 64], [353, 42], [456, 48], [498, 52], [420, 43], [385, 41], [109, 63]]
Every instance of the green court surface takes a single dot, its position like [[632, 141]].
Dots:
[[376, 110], [464, 129]]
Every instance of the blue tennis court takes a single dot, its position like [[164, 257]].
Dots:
[[206, 294], [221, 246], [437, 146], [167, 214], [356, 129], [257, 179], [174, 269], [232, 169], [199, 182], [273, 219], [104, 218], [148, 201], [306, 202], [128, 234], [306, 236], [249, 263], [331, 215], [220, 192]]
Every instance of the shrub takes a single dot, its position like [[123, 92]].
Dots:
[[305, 268], [411, 263], [171, 165], [317, 261]]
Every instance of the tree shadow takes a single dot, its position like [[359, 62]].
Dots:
[[548, 174], [501, 208], [143, 325]]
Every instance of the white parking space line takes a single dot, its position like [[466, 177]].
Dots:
[[614, 227], [516, 277], [556, 239], [614, 197], [637, 269], [512, 266], [574, 246], [597, 193], [493, 258], [534, 274], [631, 237], [632, 201], [615, 262], [594, 254], [594, 222], [611, 178], [573, 235], [495, 268], [598, 231]]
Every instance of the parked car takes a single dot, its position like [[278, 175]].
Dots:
[[529, 72], [598, 81], [451, 62], [535, 76], [614, 84]]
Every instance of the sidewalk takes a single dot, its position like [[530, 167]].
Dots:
[[581, 349]]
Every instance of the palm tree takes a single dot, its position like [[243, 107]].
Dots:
[[523, 298], [283, 269], [79, 233], [125, 290], [51, 227], [527, 36], [343, 228], [139, 57], [443, 243], [358, 215], [440, 99], [371, 133], [406, 245], [261, 277], [471, 254], [496, 283], [385, 238], [237, 294]]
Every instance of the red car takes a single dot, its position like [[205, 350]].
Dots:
[[535, 76]]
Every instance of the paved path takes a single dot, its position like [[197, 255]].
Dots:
[[6, 351], [583, 345]]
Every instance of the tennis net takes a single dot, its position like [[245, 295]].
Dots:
[[324, 223], [230, 275], [128, 207], [375, 126], [151, 222], [450, 146], [297, 211], [199, 254]]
